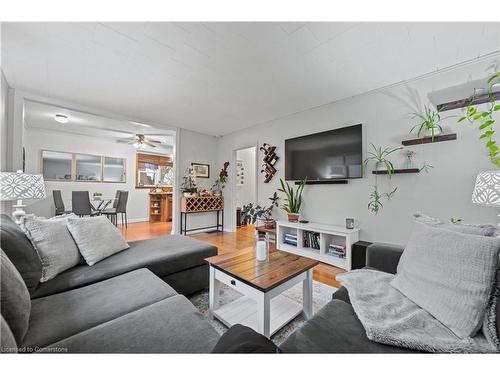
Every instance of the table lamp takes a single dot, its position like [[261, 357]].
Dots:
[[16, 186], [487, 189]]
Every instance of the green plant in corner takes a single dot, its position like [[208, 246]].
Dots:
[[485, 119], [429, 121], [380, 156], [293, 198]]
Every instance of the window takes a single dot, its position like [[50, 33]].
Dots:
[[88, 167], [154, 170], [57, 165], [113, 169], [67, 166]]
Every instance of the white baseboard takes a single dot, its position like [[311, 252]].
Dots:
[[138, 220]]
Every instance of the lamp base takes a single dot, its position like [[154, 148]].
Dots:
[[19, 212]]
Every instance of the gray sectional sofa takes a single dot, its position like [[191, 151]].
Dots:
[[130, 302]]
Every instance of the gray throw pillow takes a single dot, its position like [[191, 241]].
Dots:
[[53, 242], [96, 238], [450, 275], [15, 303], [7, 342], [20, 251], [488, 230]]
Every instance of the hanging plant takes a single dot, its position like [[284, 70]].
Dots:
[[485, 120], [379, 157]]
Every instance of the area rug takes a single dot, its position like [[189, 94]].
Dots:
[[322, 294]]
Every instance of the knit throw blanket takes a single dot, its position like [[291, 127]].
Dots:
[[390, 318]]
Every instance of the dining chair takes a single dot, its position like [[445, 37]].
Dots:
[[119, 207], [80, 204], [59, 203]]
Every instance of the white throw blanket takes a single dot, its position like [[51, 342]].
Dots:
[[390, 318]]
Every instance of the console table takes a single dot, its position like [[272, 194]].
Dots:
[[193, 205]]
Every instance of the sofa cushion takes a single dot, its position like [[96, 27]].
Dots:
[[15, 301], [173, 325], [242, 339], [20, 251], [450, 275], [7, 341], [162, 256], [96, 238], [335, 329], [53, 242], [56, 317]]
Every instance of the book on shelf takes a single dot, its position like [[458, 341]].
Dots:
[[290, 242], [311, 239]]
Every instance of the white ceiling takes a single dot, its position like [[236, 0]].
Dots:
[[41, 116], [217, 78]]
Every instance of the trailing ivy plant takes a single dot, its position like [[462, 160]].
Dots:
[[375, 203], [485, 120]]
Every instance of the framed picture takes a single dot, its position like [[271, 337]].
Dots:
[[201, 170]]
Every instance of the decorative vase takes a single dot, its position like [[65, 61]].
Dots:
[[428, 132], [293, 218], [261, 251]]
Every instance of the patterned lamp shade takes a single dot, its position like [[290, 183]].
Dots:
[[487, 189], [15, 186]]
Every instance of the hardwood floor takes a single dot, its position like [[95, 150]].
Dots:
[[144, 230], [242, 239]]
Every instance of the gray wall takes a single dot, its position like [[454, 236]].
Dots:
[[444, 192]]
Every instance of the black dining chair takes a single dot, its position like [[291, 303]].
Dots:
[[80, 204], [119, 207], [59, 203]]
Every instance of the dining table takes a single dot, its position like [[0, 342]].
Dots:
[[99, 204]]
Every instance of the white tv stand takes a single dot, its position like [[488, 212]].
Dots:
[[328, 234]]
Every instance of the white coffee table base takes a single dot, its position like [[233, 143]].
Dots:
[[265, 312]]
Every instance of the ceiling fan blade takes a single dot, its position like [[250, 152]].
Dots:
[[153, 141], [146, 142]]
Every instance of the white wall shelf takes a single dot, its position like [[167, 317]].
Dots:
[[329, 234]]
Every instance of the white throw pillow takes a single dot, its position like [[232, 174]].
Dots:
[[449, 274], [96, 237], [54, 244]]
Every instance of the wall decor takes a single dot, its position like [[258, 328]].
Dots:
[[269, 160], [201, 170], [240, 173]]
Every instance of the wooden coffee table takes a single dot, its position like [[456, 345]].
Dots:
[[262, 307]]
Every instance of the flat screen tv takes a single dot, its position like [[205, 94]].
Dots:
[[331, 155]]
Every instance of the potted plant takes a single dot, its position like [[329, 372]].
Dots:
[[220, 182], [293, 200], [188, 186], [253, 212], [380, 156], [428, 124]]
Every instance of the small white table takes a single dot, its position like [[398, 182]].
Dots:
[[262, 306]]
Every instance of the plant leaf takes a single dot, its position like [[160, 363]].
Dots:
[[486, 124]]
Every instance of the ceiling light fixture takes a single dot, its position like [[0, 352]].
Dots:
[[63, 119]]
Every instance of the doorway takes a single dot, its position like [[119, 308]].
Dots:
[[246, 181]]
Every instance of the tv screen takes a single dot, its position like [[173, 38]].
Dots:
[[330, 155]]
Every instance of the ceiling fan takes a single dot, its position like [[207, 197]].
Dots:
[[140, 141]]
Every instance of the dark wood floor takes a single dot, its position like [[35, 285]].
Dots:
[[242, 239]]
